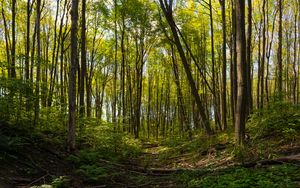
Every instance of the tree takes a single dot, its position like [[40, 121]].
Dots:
[[167, 10], [224, 66], [83, 74], [279, 53], [38, 69], [242, 71], [249, 58], [72, 77], [13, 48]]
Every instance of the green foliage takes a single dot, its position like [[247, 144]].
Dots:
[[273, 176], [98, 143], [279, 120], [239, 152], [94, 172], [12, 93], [88, 163], [110, 143], [197, 145], [61, 182]]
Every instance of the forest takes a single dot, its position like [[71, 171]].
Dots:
[[149, 93]]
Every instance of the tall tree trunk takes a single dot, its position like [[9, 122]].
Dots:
[[268, 55], [33, 52], [233, 69], [150, 79], [114, 104], [279, 55], [249, 58], [13, 48], [54, 64], [123, 68], [27, 40], [7, 42], [215, 105], [62, 64], [181, 109], [242, 71], [38, 69], [72, 77], [90, 77], [295, 57], [262, 69], [224, 66], [259, 67], [83, 60]]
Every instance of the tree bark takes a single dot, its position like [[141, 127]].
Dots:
[[242, 71], [38, 69], [13, 48], [83, 74], [279, 55], [72, 77], [263, 55], [224, 66], [249, 59]]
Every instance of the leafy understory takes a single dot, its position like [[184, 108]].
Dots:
[[269, 158]]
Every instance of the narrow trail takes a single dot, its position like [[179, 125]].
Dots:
[[156, 173]]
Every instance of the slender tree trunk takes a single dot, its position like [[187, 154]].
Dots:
[[181, 109], [295, 57], [72, 77], [167, 9], [259, 67], [62, 67], [38, 69], [123, 68], [114, 105], [224, 66], [90, 77], [83, 60], [215, 105], [13, 48], [149, 104], [27, 40], [33, 53], [249, 59], [262, 96], [279, 55], [233, 68], [7, 42], [268, 55]]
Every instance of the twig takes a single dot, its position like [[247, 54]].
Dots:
[[37, 180]]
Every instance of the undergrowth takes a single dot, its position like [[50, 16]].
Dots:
[[266, 177], [278, 120]]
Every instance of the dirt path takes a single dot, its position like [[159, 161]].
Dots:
[[155, 171]]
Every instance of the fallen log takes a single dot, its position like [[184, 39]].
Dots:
[[295, 159], [143, 170]]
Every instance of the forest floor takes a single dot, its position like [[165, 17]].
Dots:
[[28, 159], [38, 161]]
